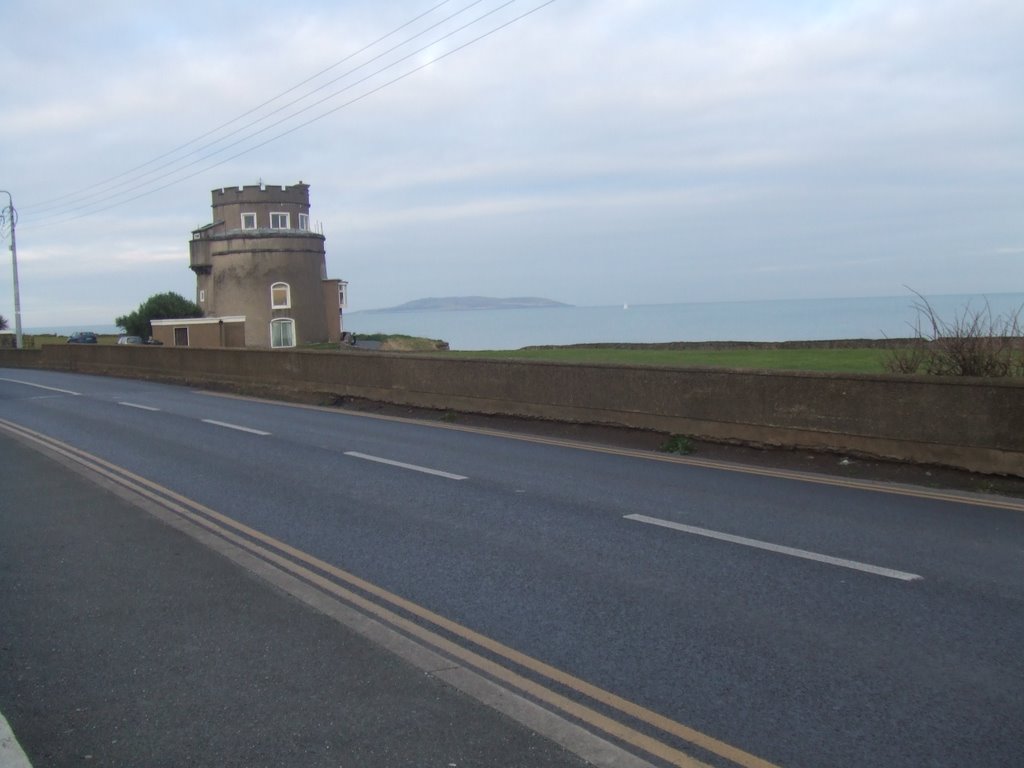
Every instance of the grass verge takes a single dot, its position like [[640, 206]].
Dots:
[[853, 360]]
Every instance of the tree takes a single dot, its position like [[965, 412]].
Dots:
[[161, 306], [3, 323]]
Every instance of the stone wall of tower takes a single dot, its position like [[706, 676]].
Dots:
[[229, 203], [236, 265]]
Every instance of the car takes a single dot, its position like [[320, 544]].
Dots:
[[83, 337], [154, 342], [129, 339]]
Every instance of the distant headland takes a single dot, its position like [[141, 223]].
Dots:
[[457, 303]]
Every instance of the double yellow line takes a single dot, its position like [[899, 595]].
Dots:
[[491, 659]]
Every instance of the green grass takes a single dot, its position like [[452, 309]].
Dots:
[[856, 360], [34, 341], [679, 444], [389, 342]]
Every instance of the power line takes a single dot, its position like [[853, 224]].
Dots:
[[46, 204], [321, 116], [97, 196], [197, 161], [5, 225]]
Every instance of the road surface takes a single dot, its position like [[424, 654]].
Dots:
[[723, 615]]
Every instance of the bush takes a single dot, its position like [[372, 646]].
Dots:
[[972, 343], [679, 444], [161, 306]]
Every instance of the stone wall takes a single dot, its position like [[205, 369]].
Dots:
[[974, 424]]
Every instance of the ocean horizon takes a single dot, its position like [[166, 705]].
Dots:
[[771, 320]]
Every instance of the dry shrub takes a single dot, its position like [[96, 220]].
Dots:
[[972, 343]]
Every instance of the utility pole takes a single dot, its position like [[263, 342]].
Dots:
[[14, 265]]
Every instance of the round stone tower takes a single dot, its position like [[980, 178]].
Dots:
[[259, 259]]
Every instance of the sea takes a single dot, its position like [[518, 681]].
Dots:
[[779, 320]]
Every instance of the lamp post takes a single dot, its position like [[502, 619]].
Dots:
[[14, 266]]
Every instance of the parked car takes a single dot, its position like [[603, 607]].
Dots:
[[82, 337], [154, 342], [129, 339]]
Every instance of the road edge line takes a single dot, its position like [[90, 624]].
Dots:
[[11, 753]]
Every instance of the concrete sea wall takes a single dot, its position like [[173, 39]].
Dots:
[[973, 424]]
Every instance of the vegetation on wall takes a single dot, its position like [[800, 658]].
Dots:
[[972, 343], [161, 306]]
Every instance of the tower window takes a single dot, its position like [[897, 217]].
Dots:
[[280, 296], [248, 221], [282, 332], [280, 221], [304, 221]]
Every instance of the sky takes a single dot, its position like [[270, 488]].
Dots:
[[595, 152]]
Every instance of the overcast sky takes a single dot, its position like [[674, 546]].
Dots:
[[594, 151]]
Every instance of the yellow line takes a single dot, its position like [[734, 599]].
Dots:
[[164, 496], [803, 477]]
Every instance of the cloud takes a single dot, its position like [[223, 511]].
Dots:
[[723, 148], [817, 266]]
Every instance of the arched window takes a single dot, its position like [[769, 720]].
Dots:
[[282, 332], [280, 296]]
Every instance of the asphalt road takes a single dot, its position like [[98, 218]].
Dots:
[[127, 643], [791, 620]]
